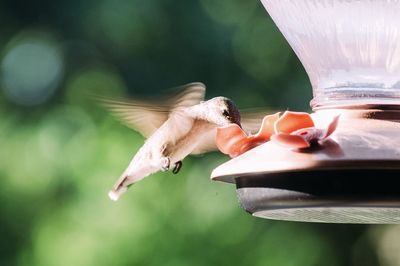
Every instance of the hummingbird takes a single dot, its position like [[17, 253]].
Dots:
[[180, 125]]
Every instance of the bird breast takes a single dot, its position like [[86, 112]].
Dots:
[[187, 142]]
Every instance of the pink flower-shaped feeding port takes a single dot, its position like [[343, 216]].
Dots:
[[294, 130]]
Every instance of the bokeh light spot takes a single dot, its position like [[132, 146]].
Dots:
[[31, 69]]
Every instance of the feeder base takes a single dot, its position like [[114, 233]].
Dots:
[[351, 178], [352, 196]]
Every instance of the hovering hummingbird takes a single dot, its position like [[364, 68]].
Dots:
[[175, 127]]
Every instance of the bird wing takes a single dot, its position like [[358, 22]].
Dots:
[[251, 120], [146, 116]]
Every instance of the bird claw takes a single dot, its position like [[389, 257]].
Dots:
[[177, 167], [165, 164]]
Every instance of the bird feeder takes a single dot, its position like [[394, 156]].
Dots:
[[350, 50]]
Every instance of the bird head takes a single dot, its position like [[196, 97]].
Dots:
[[221, 111]]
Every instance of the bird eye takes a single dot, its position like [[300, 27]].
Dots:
[[225, 113]]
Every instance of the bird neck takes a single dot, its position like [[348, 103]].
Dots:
[[198, 111]]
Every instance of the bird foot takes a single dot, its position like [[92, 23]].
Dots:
[[165, 164], [177, 167]]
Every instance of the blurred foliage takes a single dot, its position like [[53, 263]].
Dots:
[[60, 153]]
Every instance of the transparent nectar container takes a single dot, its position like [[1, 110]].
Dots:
[[350, 49]]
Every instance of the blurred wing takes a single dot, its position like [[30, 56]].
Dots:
[[142, 117], [186, 95], [251, 119], [146, 116]]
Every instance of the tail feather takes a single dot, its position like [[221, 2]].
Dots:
[[120, 187], [116, 193], [128, 178]]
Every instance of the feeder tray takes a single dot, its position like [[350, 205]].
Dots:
[[350, 178]]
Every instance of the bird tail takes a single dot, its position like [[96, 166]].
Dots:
[[119, 188], [128, 178]]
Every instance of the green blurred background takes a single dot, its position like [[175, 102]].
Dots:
[[60, 153]]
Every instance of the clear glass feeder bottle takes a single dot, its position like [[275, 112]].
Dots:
[[349, 48]]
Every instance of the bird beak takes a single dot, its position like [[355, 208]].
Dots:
[[237, 123], [234, 121]]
